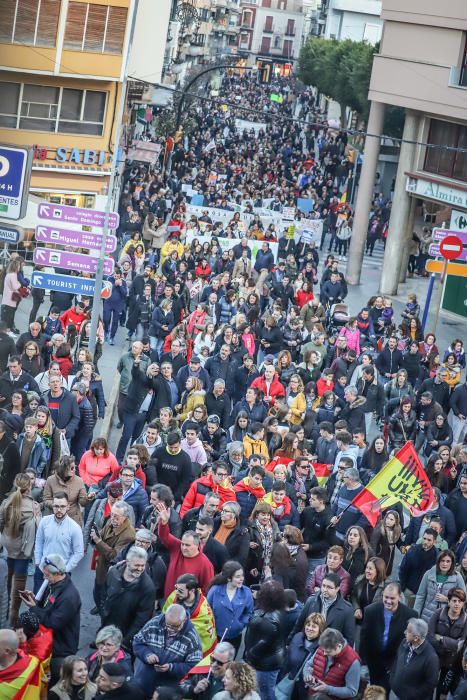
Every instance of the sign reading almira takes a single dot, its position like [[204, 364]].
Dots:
[[437, 191]]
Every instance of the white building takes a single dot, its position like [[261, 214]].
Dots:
[[358, 20]]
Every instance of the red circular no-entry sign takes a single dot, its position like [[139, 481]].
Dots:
[[450, 247]]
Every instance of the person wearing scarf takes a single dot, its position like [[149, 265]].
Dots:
[[284, 511], [249, 491]]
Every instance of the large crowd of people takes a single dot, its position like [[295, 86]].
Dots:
[[226, 558]]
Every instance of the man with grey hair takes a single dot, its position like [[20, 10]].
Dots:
[[354, 410], [344, 514], [204, 687], [58, 609], [334, 668], [116, 533], [155, 564], [218, 402], [414, 675], [128, 595], [165, 649]]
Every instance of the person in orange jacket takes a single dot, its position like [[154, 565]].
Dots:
[[218, 480]]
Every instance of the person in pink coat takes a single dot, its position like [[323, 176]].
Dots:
[[352, 333]]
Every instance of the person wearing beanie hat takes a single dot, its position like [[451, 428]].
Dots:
[[35, 639]]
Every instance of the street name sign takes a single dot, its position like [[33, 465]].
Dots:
[[15, 174], [437, 266], [74, 239], [9, 234], [76, 215], [78, 262], [63, 283], [440, 233]]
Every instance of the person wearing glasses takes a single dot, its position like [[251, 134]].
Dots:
[[133, 492], [165, 649], [203, 687], [57, 534], [66, 479], [109, 650]]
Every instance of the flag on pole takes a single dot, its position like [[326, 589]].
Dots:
[[401, 480], [343, 199]]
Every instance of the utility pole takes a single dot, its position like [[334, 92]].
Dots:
[[97, 301]]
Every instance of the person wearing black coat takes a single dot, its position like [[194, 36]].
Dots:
[[127, 604], [438, 388], [7, 346], [11, 461], [299, 477], [389, 360], [402, 425], [218, 403], [382, 631], [155, 565], [339, 614], [354, 411], [59, 610], [414, 674], [411, 362], [438, 433], [419, 559], [244, 375], [237, 543], [214, 441], [314, 523]]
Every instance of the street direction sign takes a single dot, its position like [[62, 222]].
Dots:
[[63, 283], [8, 234], [451, 247], [71, 261], [76, 215], [15, 174], [437, 266], [74, 239], [440, 233], [435, 251]]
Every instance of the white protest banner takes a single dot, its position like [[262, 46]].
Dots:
[[288, 213], [228, 243], [242, 124], [309, 230]]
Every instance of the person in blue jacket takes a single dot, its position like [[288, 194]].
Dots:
[[231, 602], [114, 305], [133, 492]]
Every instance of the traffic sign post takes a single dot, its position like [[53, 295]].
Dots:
[[77, 215], [439, 234], [74, 239], [450, 248], [15, 174], [64, 283], [71, 261]]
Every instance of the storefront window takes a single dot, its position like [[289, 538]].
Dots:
[[443, 161]]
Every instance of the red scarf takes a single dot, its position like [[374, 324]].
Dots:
[[244, 485]]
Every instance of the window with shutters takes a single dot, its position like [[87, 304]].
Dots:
[[29, 22], [265, 44], [54, 109], [290, 31], [268, 24], [95, 28]]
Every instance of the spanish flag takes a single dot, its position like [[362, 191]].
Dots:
[[22, 680], [322, 472], [343, 199], [401, 480]]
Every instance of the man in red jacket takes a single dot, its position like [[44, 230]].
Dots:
[[269, 385], [74, 316], [217, 481], [185, 555]]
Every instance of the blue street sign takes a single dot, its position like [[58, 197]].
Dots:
[[62, 283], [15, 173], [8, 234]]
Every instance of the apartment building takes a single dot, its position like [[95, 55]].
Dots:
[[422, 67], [271, 34], [358, 20], [61, 72]]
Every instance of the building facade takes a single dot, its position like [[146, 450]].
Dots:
[[271, 34], [358, 20], [422, 67], [61, 73]]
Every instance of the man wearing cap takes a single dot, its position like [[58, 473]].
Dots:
[[193, 369], [58, 609], [112, 684], [173, 466]]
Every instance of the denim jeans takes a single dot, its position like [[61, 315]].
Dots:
[[133, 424], [266, 683]]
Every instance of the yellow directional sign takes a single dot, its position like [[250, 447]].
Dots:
[[457, 269]]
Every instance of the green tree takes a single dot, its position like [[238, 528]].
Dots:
[[340, 70]]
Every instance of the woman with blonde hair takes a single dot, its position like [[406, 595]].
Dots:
[[74, 681], [295, 398], [193, 396], [303, 644], [19, 520], [239, 683]]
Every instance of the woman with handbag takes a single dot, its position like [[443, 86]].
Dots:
[[19, 520], [303, 644]]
